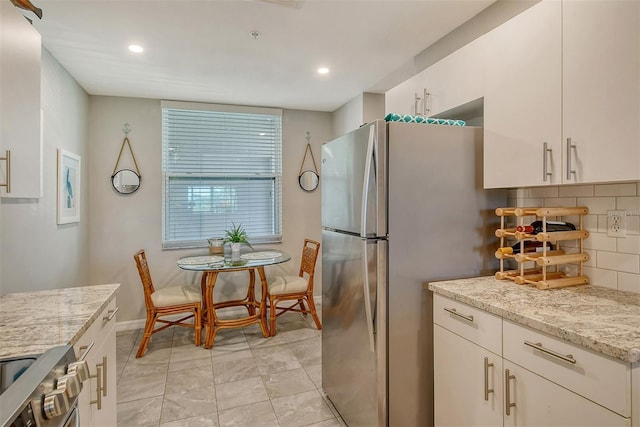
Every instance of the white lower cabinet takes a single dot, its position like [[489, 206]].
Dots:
[[467, 380], [527, 378], [539, 402], [97, 402]]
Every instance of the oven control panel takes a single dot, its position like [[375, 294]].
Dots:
[[45, 394]]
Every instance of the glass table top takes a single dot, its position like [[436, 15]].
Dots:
[[245, 259]]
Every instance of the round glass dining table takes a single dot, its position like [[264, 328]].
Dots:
[[211, 266]]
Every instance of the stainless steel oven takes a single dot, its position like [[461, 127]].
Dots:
[[41, 391]]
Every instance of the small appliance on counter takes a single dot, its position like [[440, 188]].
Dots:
[[42, 390]]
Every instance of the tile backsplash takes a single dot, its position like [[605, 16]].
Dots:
[[614, 262]]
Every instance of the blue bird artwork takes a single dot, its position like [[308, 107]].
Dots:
[[69, 199]]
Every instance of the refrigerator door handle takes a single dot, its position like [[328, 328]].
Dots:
[[367, 296], [365, 183]]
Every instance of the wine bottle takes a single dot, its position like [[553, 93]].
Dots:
[[536, 227], [531, 246]]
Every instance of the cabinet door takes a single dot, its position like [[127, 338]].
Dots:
[[106, 415], [456, 79], [401, 99], [460, 382], [20, 121], [539, 402], [99, 343], [522, 103], [601, 89]]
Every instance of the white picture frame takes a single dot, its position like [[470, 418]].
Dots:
[[68, 187]]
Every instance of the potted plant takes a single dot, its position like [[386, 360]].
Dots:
[[236, 235]]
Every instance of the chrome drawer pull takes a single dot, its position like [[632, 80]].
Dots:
[[85, 349], [110, 314], [467, 317], [538, 346]]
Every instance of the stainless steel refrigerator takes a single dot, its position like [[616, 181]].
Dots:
[[402, 204]]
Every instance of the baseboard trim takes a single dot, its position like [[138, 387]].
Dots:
[[129, 325]]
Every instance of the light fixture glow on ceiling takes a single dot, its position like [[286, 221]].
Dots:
[[135, 48], [323, 70]]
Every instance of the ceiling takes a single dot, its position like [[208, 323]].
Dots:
[[203, 51]]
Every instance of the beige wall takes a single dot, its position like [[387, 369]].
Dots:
[[36, 252], [122, 224], [614, 262], [362, 109]]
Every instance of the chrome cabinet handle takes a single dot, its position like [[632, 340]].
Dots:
[[487, 390], [467, 317], [538, 346], [7, 182], [425, 96], [110, 315], [546, 152], [98, 377], [508, 404], [569, 170], [85, 349], [415, 105], [104, 376]]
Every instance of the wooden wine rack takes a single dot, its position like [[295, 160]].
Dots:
[[545, 274]]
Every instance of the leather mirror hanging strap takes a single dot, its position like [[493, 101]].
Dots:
[[308, 150], [126, 141]]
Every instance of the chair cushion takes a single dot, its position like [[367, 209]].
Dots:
[[176, 295], [286, 284]]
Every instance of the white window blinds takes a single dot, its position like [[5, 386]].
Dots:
[[221, 165]]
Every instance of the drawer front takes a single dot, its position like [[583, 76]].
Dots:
[[95, 331], [597, 377], [478, 326]]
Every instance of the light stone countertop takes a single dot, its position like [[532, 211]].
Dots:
[[601, 319], [33, 322]]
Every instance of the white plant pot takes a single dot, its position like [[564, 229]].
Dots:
[[235, 247]]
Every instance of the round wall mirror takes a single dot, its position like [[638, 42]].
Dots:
[[125, 181], [308, 180]]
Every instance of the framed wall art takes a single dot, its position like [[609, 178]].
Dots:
[[68, 187]]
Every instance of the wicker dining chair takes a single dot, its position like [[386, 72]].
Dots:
[[167, 301], [295, 288]]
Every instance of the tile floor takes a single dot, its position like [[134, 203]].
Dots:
[[244, 380]]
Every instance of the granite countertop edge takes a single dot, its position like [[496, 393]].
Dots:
[[63, 316], [600, 344]]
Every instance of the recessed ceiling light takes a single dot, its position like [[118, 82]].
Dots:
[[255, 35], [323, 70], [136, 48]]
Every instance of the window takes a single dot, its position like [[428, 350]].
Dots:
[[221, 165]]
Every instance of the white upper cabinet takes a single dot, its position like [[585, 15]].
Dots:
[[406, 98], [20, 121], [522, 103], [453, 81], [601, 90], [566, 74], [456, 79]]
